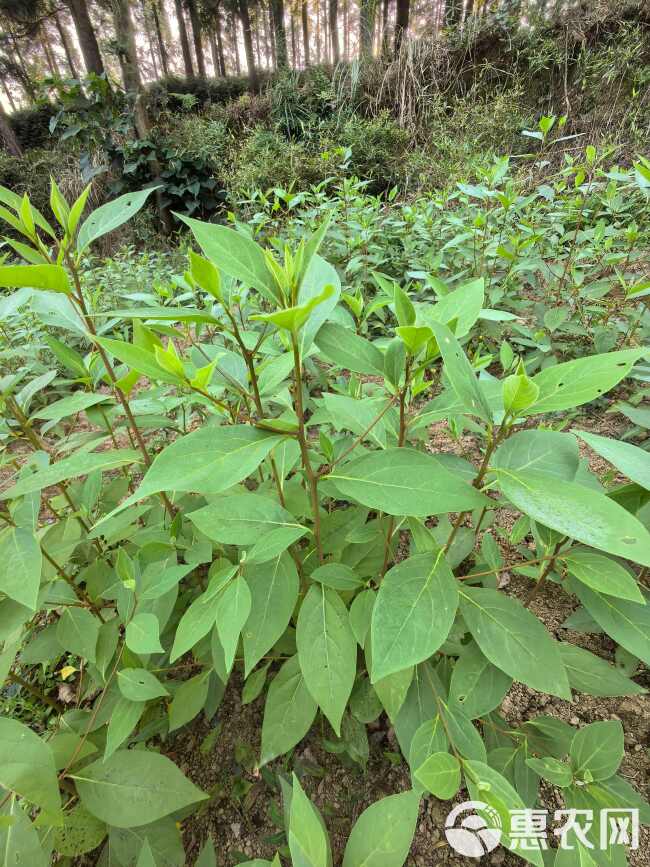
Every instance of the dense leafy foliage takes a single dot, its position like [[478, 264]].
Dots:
[[255, 493]]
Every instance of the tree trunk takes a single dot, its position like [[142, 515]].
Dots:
[[50, 57], [7, 90], [346, 30], [185, 43], [248, 43], [292, 20], [146, 26], [197, 33], [162, 49], [86, 36], [318, 34], [235, 42], [8, 135], [304, 14], [277, 13], [366, 27], [67, 45], [218, 32], [402, 15], [127, 52], [385, 36], [334, 30]]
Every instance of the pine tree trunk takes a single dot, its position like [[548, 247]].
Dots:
[[185, 43], [218, 32], [162, 49], [366, 27], [197, 33], [304, 14], [86, 36], [292, 21], [235, 42], [385, 36], [334, 30], [248, 43], [67, 45], [277, 13], [8, 135], [401, 21]]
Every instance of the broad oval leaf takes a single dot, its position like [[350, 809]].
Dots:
[[27, 767], [415, 609], [21, 562], [632, 461], [327, 651], [289, 711], [382, 835], [134, 787], [402, 481], [274, 591], [514, 640]]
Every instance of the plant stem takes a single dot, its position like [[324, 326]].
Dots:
[[32, 690], [401, 439], [312, 477], [541, 581]]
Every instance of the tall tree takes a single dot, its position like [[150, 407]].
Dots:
[[366, 26], [68, 47], [185, 43], [244, 16], [86, 36], [333, 11], [198, 36], [160, 39], [304, 14], [402, 15], [384, 26], [234, 38], [211, 21], [280, 33], [126, 47]]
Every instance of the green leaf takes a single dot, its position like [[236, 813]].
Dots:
[[461, 731], [632, 461], [415, 609], [582, 380], [207, 856], [514, 640], [293, 318], [289, 711], [415, 338], [200, 617], [70, 468], [19, 840], [578, 512], [338, 576], [145, 858], [477, 686], [124, 718], [143, 634], [109, 217], [48, 277], [549, 452], [134, 787], [383, 833], [402, 481], [628, 623], [429, 738], [602, 574], [234, 254], [348, 350], [70, 405], [189, 700], [254, 685], [209, 460], [274, 592], [461, 373], [77, 631], [440, 775], [519, 393], [464, 305], [233, 609], [327, 651], [141, 360], [27, 767], [138, 684], [404, 309], [308, 841], [555, 771], [597, 750], [21, 562], [487, 785], [206, 275], [361, 615], [241, 519], [591, 674]]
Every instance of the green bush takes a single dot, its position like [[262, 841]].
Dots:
[[32, 126]]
